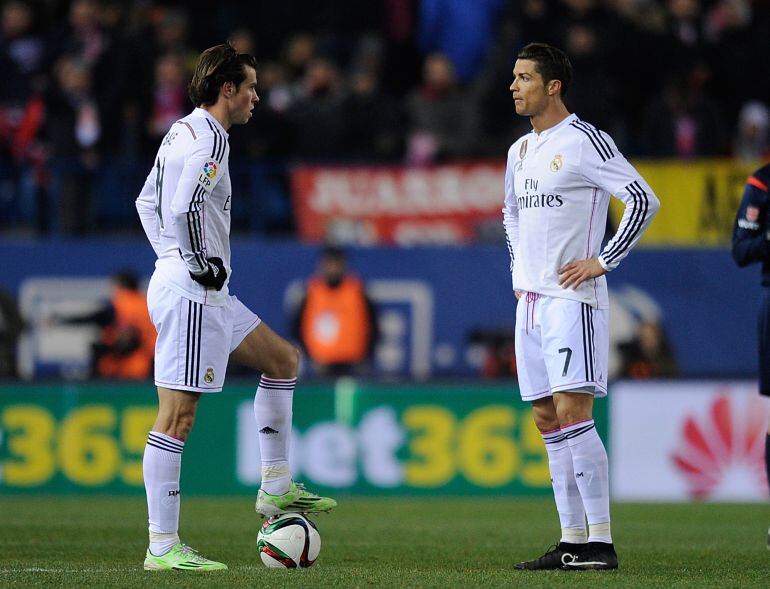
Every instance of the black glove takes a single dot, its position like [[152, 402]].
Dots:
[[214, 277]]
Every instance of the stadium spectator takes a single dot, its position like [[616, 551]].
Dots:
[[649, 354], [126, 343], [441, 119], [73, 129], [22, 53], [366, 138], [11, 327], [752, 138], [683, 121], [618, 44], [336, 322], [169, 95], [460, 30], [751, 245], [316, 114]]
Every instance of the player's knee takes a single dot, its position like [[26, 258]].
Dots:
[[285, 364], [569, 415], [545, 423]]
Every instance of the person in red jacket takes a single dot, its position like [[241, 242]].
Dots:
[[336, 323]]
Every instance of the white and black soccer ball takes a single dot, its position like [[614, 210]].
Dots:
[[288, 541]]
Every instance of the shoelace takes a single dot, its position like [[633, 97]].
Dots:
[[192, 554], [301, 488]]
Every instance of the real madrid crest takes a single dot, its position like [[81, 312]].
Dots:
[[556, 163], [523, 149], [209, 376]]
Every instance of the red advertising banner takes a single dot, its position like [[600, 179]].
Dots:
[[398, 205]]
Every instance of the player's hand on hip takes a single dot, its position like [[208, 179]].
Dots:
[[575, 273], [214, 276]]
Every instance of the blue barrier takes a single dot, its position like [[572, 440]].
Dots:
[[708, 304]]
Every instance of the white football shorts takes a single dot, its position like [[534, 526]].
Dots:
[[195, 340], [561, 346]]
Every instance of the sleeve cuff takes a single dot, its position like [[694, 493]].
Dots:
[[603, 265]]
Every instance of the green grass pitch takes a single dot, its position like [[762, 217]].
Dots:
[[440, 542]]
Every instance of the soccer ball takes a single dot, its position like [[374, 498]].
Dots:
[[288, 541]]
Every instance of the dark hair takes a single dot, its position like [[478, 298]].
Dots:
[[126, 279], [217, 65], [333, 252], [552, 63]]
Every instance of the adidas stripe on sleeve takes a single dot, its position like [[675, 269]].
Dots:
[[604, 166], [196, 182]]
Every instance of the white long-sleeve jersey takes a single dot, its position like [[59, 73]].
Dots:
[[185, 205], [557, 190]]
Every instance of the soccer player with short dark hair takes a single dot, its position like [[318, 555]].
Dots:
[[558, 182], [185, 211], [751, 243]]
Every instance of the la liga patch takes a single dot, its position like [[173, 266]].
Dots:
[[208, 174]]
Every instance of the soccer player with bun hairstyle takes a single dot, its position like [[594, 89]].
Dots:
[[185, 207], [558, 182]]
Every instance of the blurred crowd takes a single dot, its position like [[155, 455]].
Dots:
[[91, 86]]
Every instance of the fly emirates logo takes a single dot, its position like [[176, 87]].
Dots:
[[534, 199]]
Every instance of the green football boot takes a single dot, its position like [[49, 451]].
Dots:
[[181, 558], [296, 500]]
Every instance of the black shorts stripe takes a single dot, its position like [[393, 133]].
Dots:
[[641, 207], [597, 146], [187, 344], [591, 363], [193, 351], [198, 358], [586, 320]]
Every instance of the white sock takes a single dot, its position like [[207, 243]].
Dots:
[[161, 465], [589, 460], [272, 410], [572, 516]]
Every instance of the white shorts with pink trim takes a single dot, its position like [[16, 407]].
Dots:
[[561, 346]]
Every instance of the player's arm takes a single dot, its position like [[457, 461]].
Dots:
[[614, 174], [602, 165], [201, 173], [751, 235], [511, 215], [146, 206]]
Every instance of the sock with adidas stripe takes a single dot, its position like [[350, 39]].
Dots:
[[273, 413], [569, 505], [589, 461], [161, 466]]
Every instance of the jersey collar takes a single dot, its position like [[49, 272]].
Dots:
[[207, 115], [551, 130]]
